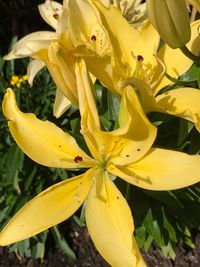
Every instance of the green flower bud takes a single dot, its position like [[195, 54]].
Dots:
[[195, 3], [171, 20]]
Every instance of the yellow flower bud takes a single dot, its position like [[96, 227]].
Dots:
[[171, 20]]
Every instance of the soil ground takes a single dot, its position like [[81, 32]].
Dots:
[[87, 256]]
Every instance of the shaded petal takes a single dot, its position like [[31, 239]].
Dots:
[[89, 114], [110, 224], [30, 44], [181, 102], [173, 57], [51, 11], [34, 136], [61, 65], [33, 68], [52, 206], [61, 104], [130, 141], [102, 69], [161, 169]]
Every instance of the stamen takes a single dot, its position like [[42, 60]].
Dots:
[[156, 83]]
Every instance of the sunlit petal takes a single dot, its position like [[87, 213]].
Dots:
[[126, 144], [51, 11], [30, 44], [43, 141], [89, 114], [127, 42], [161, 169], [61, 104], [110, 224], [182, 102], [135, 135], [61, 65], [52, 206]]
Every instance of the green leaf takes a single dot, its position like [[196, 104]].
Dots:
[[113, 106], [62, 243], [14, 163], [169, 227]]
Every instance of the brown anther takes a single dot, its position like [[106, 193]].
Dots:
[[93, 38], [77, 159], [140, 58], [56, 16]]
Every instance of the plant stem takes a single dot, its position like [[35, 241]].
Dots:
[[190, 55]]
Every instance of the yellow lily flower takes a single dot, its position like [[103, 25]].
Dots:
[[35, 42], [133, 63], [125, 152], [57, 51]]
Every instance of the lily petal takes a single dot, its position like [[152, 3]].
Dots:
[[51, 11], [30, 44], [182, 102], [126, 144], [59, 149], [85, 27], [135, 135], [33, 68], [61, 104], [126, 40], [110, 224], [52, 206], [89, 114], [61, 65], [161, 169], [173, 57]]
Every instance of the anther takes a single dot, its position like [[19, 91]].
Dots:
[[140, 58], [93, 38], [77, 159]]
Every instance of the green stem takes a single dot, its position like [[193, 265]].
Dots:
[[190, 55]]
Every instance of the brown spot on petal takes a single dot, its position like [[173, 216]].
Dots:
[[77, 159], [93, 38], [140, 58], [56, 16]]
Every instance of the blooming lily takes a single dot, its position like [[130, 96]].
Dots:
[[56, 52], [125, 152], [51, 12], [133, 63]]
